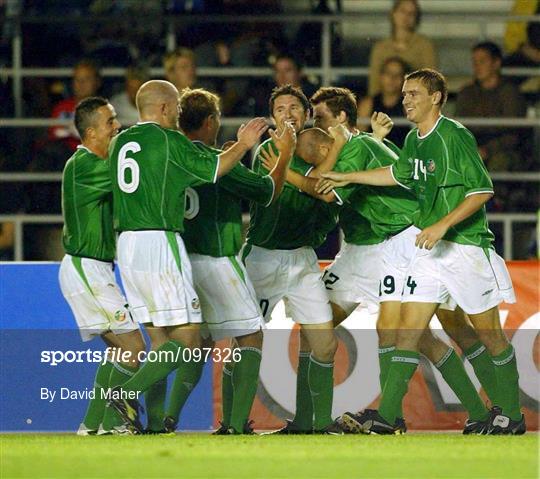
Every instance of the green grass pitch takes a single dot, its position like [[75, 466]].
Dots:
[[291, 457]]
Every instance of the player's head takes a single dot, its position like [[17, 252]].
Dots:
[[333, 106], [134, 79], [158, 100], [424, 93], [392, 74], [289, 104], [200, 114], [95, 121], [487, 61], [180, 67], [313, 145], [287, 70], [405, 15], [86, 79]]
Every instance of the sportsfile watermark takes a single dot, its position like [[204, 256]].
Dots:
[[113, 354]]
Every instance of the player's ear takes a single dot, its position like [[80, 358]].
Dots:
[[436, 99], [342, 117]]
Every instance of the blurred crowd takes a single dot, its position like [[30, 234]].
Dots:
[[140, 44]]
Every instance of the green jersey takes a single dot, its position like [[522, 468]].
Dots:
[[213, 218], [388, 210], [442, 168], [151, 168], [294, 220], [87, 207]]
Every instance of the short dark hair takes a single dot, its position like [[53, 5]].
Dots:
[[338, 99], [195, 106], [288, 90], [433, 80], [492, 48], [85, 113]]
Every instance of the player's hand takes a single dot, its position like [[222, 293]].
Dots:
[[269, 158], [249, 133], [329, 181], [227, 145], [286, 141], [381, 125], [339, 133], [430, 236]]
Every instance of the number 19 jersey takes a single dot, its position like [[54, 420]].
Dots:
[[151, 168]]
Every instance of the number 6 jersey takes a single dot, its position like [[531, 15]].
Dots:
[[151, 168]]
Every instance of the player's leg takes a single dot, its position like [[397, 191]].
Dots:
[[415, 318], [387, 327], [227, 393], [323, 343], [489, 330], [245, 379], [480, 300], [451, 367], [458, 327]]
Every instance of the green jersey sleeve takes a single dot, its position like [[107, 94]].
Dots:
[[243, 182], [403, 170], [473, 172], [353, 157], [200, 164]]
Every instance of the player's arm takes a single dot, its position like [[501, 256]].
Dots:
[[263, 189], [303, 183], [248, 136], [376, 177], [429, 236]]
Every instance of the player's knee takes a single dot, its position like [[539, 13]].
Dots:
[[325, 348]]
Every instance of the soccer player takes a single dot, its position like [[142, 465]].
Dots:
[[282, 264], [454, 256], [86, 272], [213, 237], [356, 277], [152, 165]]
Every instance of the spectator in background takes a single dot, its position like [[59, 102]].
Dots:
[[180, 68], [124, 103], [388, 101], [491, 96], [288, 70], [86, 82], [415, 49]]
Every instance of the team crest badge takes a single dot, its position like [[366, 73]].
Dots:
[[431, 166], [119, 316], [195, 303]]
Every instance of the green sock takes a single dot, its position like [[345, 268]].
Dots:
[[120, 373], [385, 360], [187, 377], [96, 407], [303, 417], [508, 383], [321, 385], [153, 371], [154, 401], [484, 369], [227, 393], [453, 372], [245, 378], [402, 368]]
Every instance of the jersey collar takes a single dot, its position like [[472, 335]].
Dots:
[[147, 123], [422, 137], [82, 147]]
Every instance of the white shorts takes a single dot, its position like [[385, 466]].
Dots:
[[156, 274], [90, 289], [292, 275], [228, 301], [353, 277], [476, 278]]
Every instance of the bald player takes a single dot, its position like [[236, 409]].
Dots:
[[152, 165]]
